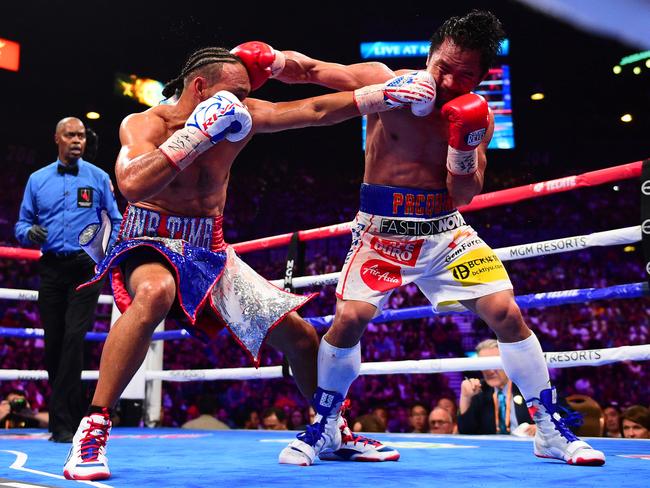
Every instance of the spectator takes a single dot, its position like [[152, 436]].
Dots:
[[636, 422], [274, 418], [612, 425], [450, 405], [16, 412], [441, 421], [494, 405], [297, 420], [207, 406], [59, 201], [382, 414], [369, 423], [247, 418], [418, 418]]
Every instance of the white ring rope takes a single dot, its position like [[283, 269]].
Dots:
[[32, 295], [562, 359], [615, 237]]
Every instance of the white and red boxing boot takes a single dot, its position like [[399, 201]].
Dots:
[[355, 447], [87, 457]]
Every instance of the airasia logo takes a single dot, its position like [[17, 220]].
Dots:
[[380, 275], [406, 253]]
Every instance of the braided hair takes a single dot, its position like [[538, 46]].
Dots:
[[197, 60]]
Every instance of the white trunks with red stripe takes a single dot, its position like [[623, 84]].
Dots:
[[406, 235]]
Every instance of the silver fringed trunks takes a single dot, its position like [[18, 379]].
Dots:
[[206, 271], [249, 304]]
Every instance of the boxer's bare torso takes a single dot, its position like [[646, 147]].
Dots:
[[145, 176], [200, 189], [401, 149]]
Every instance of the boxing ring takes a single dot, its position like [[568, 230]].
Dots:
[[239, 458], [175, 457]]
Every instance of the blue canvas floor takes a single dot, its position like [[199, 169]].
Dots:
[[181, 458]]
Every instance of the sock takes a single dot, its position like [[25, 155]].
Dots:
[[338, 367], [525, 365]]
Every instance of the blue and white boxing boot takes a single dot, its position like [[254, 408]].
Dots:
[[554, 439], [323, 434], [356, 447]]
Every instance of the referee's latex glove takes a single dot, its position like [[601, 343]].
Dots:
[[37, 234]]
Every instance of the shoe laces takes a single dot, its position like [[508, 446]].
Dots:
[[349, 436], [571, 417], [356, 438], [563, 429], [94, 439], [562, 424], [313, 432]]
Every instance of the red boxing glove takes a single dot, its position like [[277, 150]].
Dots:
[[468, 118], [261, 60]]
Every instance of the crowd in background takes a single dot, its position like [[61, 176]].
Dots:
[[279, 198]]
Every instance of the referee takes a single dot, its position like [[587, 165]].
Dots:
[[60, 200]]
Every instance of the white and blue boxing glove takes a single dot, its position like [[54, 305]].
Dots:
[[222, 116], [417, 89]]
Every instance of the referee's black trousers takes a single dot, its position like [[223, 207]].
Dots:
[[66, 315]]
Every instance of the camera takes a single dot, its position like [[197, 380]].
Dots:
[[17, 405]]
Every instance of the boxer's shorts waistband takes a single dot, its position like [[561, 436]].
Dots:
[[205, 232], [396, 201]]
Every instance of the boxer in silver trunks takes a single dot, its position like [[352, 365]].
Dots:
[[174, 167]]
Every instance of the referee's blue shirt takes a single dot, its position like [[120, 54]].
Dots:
[[64, 204]]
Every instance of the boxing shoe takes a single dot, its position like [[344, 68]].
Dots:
[[87, 457], [355, 447], [554, 439], [323, 434]]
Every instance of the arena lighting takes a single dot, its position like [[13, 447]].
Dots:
[[617, 69], [629, 249], [634, 58], [144, 90], [647, 63], [626, 118], [637, 70], [9, 55], [92, 115], [616, 188], [537, 96]]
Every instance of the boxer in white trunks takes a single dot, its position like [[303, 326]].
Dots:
[[417, 170]]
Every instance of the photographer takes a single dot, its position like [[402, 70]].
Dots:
[[15, 412]]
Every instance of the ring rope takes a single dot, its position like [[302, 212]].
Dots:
[[562, 359], [615, 237], [484, 200], [534, 300]]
